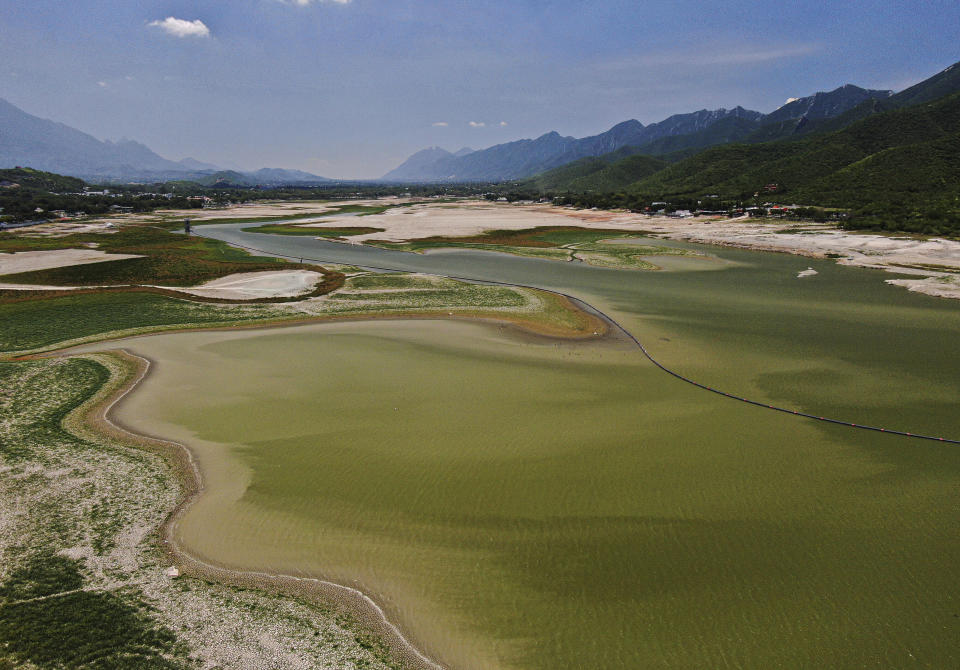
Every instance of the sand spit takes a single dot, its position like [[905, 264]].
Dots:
[[252, 285], [236, 287], [947, 286], [29, 261]]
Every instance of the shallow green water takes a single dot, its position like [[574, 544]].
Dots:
[[528, 504]]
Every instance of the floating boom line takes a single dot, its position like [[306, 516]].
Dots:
[[633, 338]]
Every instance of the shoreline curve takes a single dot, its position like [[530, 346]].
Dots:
[[94, 416]]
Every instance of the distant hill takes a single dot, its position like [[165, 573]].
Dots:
[[27, 140], [29, 178], [943, 83], [821, 114], [900, 167], [195, 165], [609, 172], [55, 147], [523, 158], [282, 176], [823, 105], [678, 133], [419, 163]]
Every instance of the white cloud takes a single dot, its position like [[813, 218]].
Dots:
[[440, 124], [102, 84], [182, 27], [503, 124], [477, 124]]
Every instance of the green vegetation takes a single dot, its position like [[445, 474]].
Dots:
[[603, 173], [28, 178], [896, 170], [79, 628], [46, 323], [625, 256], [24, 191], [34, 324], [51, 613], [29, 190], [168, 258], [620, 174]]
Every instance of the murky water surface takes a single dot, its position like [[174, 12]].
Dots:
[[519, 503]]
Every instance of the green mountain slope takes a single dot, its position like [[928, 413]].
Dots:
[[939, 85], [559, 179], [29, 178], [798, 166], [618, 175], [927, 170], [732, 129]]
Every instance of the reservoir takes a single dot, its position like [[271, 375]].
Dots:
[[521, 502]]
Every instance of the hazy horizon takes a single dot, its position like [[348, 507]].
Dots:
[[350, 89]]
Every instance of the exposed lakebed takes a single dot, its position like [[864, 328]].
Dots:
[[529, 503]]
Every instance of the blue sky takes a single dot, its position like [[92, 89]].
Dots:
[[351, 88]]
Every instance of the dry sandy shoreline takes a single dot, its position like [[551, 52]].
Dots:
[[935, 262]]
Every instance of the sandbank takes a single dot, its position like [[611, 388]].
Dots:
[[253, 285], [29, 261]]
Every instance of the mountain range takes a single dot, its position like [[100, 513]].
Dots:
[[695, 130], [813, 159], [27, 140]]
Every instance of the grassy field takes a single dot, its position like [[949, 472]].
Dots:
[[81, 580], [34, 324], [42, 324], [553, 243]]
